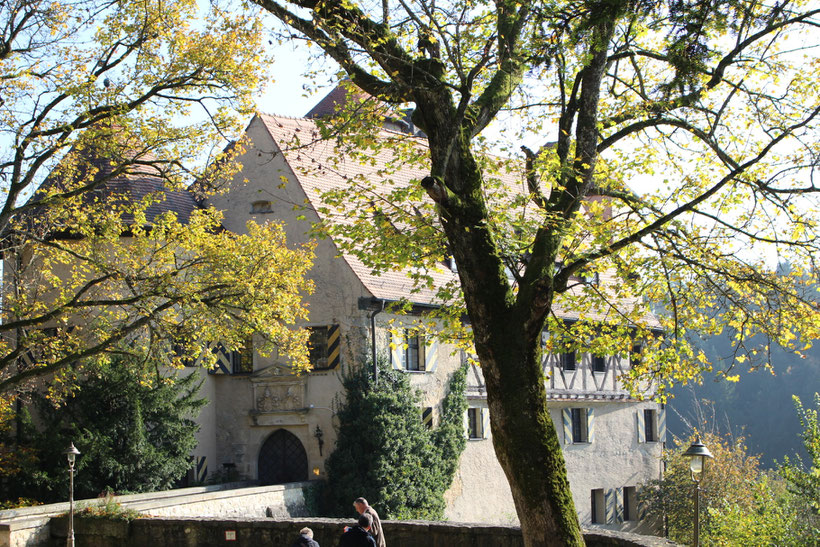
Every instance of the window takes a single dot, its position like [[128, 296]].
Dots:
[[475, 423], [580, 431], [324, 347], [412, 359], [598, 363], [630, 503], [427, 417], [568, 360], [242, 359], [598, 507], [409, 352], [450, 262], [232, 361], [261, 207], [650, 422], [635, 355]]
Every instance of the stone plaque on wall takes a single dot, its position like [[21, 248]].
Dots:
[[278, 396]]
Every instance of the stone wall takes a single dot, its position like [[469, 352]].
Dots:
[[29, 526], [253, 532]]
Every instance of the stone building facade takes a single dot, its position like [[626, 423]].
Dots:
[[265, 423]]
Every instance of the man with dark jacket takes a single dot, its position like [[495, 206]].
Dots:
[[358, 536], [363, 508], [305, 539]]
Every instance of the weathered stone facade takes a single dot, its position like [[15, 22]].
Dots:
[[256, 417]]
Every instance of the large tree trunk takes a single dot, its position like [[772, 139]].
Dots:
[[507, 339], [524, 437]]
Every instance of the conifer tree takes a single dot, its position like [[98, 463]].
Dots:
[[133, 425], [385, 453]]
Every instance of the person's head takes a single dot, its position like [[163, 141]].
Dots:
[[360, 504], [307, 532], [365, 521]]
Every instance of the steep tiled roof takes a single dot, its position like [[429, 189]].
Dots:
[[141, 181], [310, 159], [315, 164]]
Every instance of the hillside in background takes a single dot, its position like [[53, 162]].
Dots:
[[758, 407]]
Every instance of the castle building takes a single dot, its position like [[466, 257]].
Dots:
[[266, 423]]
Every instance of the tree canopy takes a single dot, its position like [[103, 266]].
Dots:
[[133, 425], [712, 105], [109, 113]]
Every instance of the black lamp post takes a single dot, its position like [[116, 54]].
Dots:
[[71, 454], [697, 454]]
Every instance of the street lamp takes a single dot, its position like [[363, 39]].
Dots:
[[697, 454], [71, 454]]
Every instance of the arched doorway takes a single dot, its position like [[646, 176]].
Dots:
[[282, 459]]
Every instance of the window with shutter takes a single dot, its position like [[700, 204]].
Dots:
[[650, 422], [475, 423]]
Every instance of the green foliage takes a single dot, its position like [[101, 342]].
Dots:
[[740, 503], [140, 94], [108, 508], [805, 483], [384, 452], [132, 424]]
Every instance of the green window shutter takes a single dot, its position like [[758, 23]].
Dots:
[[662, 425], [641, 428], [590, 425], [431, 354], [485, 422], [397, 353], [333, 346], [566, 415]]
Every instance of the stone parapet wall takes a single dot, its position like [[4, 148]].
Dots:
[[252, 532], [29, 526]]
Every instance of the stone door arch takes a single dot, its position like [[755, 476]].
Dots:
[[282, 459]]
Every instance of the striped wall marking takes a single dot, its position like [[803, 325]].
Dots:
[[610, 503], [427, 417], [430, 354], [640, 425], [223, 360], [662, 425], [397, 353], [590, 425], [201, 469], [566, 415], [619, 505], [333, 346]]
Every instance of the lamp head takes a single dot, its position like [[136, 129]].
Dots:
[[697, 454], [71, 453]]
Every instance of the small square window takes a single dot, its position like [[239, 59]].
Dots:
[[475, 424], [598, 363], [261, 207], [568, 360]]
